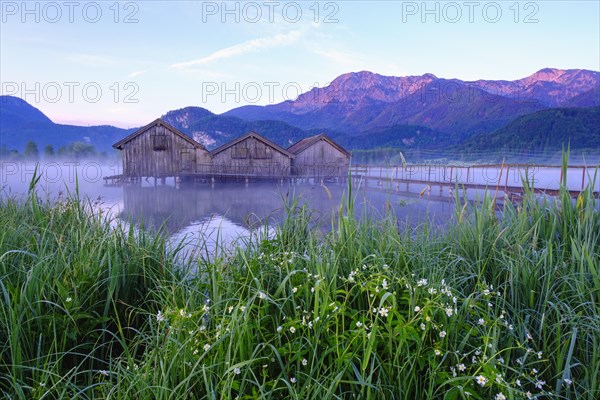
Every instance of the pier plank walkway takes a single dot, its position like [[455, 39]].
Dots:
[[512, 191], [473, 177]]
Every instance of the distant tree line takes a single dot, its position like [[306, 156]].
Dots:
[[74, 150]]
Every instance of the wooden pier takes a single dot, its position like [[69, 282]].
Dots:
[[425, 178], [429, 177]]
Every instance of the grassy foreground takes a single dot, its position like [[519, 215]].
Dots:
[[492, 308]]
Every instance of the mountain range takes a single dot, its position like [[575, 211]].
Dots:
[[20, 122], [360, 101], [363, 110]]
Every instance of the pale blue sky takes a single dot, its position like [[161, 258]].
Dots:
[[175, 54]]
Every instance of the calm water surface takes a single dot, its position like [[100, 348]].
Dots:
[[207, 215]]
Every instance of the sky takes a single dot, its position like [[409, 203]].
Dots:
[[127, 63]]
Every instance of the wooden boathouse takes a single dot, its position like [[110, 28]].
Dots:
[[159, 150], [252, 156], [319, 157]]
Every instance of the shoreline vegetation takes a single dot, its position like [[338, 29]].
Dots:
[[491, 307]]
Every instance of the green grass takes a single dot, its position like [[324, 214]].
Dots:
[[491, 307]]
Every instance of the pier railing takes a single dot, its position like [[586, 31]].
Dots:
[[509, 178]]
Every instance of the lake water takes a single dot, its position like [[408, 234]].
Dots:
[[224, 213], [206, 214]]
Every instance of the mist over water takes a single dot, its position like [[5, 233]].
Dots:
[[209, 217], [60, 176], [205, 215]]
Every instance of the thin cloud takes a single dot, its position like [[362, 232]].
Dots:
[[249, 46], [135, 74]]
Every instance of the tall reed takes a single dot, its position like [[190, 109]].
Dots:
[[498, 304]]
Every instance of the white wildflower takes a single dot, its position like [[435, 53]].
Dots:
[[540, 384], [160, 317], [351, 277], [481, 380]]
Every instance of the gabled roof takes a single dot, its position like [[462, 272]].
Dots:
[[255, 136], [305, 143], [158, 122]]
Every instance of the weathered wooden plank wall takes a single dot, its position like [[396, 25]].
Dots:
[[159, 152], [252, 157], [321, 160]]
